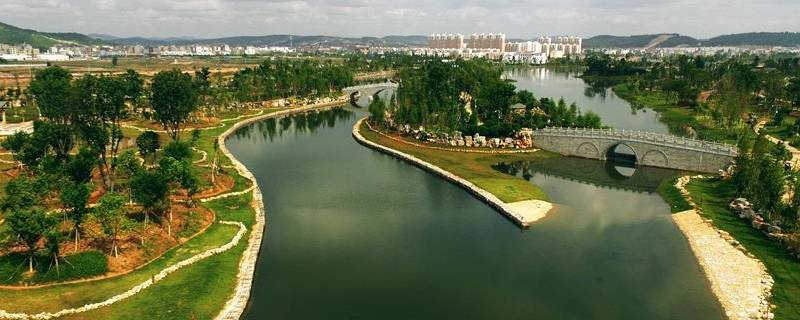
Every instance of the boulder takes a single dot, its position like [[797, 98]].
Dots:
[[774, 229]]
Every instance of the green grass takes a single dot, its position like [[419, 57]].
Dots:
[[782, 131], [475, 167], [676, 117], [713, 197], [673, 197]]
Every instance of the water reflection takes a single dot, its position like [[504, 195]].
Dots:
[[356, 234], [604, 174], [595, 96], [303, 123]]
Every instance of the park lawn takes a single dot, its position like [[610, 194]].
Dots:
[[676, 117], [196, 292], [189, 299], [55, 298], [475, 168], [713, 196], [673, 197]]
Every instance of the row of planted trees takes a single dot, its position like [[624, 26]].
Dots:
[[71, 168], [472, 97]]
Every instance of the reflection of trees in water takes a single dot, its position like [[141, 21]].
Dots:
[[600, 173], [302, 123]]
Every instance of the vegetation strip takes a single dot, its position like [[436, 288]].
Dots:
[[738, 279], [127, 294], [523, 213], [467, 150]]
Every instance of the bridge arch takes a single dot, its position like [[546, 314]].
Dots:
[[588, 150], [621, 151], [655, 158]]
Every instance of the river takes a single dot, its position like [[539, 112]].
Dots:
[[546, 82], [356, 234]]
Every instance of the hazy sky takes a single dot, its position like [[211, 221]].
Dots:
[[517, 18]]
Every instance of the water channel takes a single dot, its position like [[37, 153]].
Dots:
[[356, 234]]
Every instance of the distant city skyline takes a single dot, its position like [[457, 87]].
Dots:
[[357, 18]]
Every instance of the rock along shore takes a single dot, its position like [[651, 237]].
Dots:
[[238, 302], [523, 213]]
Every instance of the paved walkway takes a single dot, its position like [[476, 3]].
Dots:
[[736, 279], [7, 129]]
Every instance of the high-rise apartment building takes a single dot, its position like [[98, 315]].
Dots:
[[561, 46], [446, 41], [487, 41]]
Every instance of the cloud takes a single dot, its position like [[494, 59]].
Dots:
[[522, 19]]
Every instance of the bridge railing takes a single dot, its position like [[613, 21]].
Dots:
[[641, 136], [372, 85]]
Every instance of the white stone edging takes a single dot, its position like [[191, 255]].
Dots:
[[478, 192], [133, 291]]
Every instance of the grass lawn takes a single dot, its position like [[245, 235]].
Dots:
[[673, 196], [475, 167], [713, 197], [676, 117]]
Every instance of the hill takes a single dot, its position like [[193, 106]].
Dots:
[[639, 41], [784, 39], [14, 35], [669, 40]]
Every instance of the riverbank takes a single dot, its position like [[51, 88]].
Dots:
[[523, 212], [738, 266], [226, 275]]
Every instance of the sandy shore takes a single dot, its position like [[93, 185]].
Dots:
[[523, 213]]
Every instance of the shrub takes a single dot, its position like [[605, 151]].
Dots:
[[78, 266]]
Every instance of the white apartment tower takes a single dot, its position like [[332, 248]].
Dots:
[[561, 46]]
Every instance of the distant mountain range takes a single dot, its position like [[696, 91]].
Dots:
[[14, 35], [669, 40]]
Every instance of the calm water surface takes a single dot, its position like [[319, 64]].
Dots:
[[557, 83], [356, 234]]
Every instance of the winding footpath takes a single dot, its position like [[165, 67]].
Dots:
[[523, 213]]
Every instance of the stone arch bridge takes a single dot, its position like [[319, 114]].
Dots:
[[355, 92], [650, 149]]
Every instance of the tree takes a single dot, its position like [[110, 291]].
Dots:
[[134, 85], [178, 173], [378, 109], [30, 225], [148, 143], [174, 98], [149, 189], [75, 198], [114, 61], [79, 168], [51, 90], [178, 150], [111, 213]]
